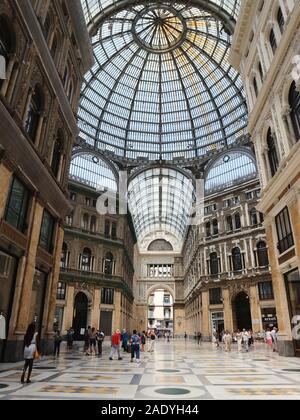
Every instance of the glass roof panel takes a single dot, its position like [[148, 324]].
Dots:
[[160, 199], [230, 169], [91, 170], [161, 86]]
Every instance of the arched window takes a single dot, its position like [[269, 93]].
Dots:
[[33, 114], [229, 223], [237, 221], [272, 153], [93, 224], [85, 222], [109, 264], [215, 227], [208, 229], [273, 41], [64, 256], [57, 153], [253, 217], [237, 263], [86, 260], [262, 254], [294, 101], [214, 264], [280, 20], [69, 219]]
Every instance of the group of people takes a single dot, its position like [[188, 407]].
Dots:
[[131, 343], [93, 341], [244, 339]]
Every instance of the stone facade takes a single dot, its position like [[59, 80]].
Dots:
[[213, 276], [97, 261], [38, 99], [266, 50]]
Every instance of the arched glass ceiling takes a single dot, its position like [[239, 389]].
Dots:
[[230, 169], [91, 170], [160, 199], [161, 86], [93, 8]]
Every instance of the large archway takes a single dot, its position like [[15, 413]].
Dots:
[[160, 311], [242, 312], [80, 315]]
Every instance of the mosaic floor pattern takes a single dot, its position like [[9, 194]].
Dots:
[[177, 370]]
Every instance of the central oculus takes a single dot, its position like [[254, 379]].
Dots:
[[159, 29]]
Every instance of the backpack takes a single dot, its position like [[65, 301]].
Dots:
[[135, 339]]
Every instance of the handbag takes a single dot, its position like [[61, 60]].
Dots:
[[36, 355]]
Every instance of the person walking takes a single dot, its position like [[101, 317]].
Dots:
[[124, 339], [32, 350], [100, 338], [151, 342], [227, 338], [93, 341], [199, 337], [143, 341], [57, 343], [274, 334], [115, 345], [246, 340], [269, 339], [135, 346], [185, 336], [239, 338], [86, 342], [70, 338]]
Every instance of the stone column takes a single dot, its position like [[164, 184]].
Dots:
[[285, 344], [295, 220], [205, 316], [117, 311], [69, 309], [96, 309], [25, 298], [255, 309], [228, 320], [5, 180], [53, 281]]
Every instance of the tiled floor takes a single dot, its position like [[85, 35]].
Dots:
[[177, 370]]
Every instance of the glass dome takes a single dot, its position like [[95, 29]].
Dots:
[[161, 86]]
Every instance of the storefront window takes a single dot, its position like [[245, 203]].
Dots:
[[38, 298], [293, 292], [58, 319], [269, 318], [8, 267]]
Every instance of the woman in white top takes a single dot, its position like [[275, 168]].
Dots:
[[239, 337], [31, 346], [269, 340]]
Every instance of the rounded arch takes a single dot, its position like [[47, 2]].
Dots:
[[160, 245], [230, 168], [88, 167], [160, 286]]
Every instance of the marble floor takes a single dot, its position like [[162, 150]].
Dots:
[[177, 370]]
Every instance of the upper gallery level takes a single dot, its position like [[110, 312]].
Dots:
[[266, 51]]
